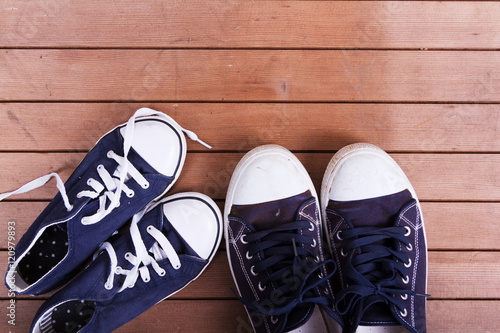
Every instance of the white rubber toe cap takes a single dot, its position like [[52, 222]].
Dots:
[[363, 171], [197, 219], [159, 143], [268, 173]]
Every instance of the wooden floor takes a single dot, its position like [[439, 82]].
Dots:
[[419, 79]]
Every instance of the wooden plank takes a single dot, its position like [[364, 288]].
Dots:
[[269, 24], [448, 224], [443, 316], [464, 275], [463, 316], [394, 127], [249, 75], [462, 225], [442, 177]]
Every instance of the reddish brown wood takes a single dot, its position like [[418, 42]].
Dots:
[[269, 24], [249, 75], [394, 127]]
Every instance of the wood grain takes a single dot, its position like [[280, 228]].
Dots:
[[249, 75], [252, 24], [393, 127]]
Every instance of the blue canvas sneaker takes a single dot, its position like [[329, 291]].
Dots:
[[376, 234], [169, 244], [133, 164], [274, 244]]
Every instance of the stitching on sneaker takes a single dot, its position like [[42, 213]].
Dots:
[[240, 257]]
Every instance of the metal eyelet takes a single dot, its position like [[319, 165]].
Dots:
[[408, 231], [252, 271], [248, 256], [404, 297], [404, 313], [314, 243], [261, 288], [312, 226], [342, 253], [274, 320], [316, 259], [406, 279], [407, 265], [409, 247], [338, 235], [242, 239]]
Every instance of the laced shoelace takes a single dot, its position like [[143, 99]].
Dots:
[[294, 270], [142, 260], [372, 269], [113, 184]]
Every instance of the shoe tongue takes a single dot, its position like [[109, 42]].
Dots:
[[267, 215], [378, 313], [374, 212], [300, 315]]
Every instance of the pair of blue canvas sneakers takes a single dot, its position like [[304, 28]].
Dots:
[[352, 260], [145, 246], [355, 263]]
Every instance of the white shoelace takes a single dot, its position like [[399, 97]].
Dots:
[[141, 262], [114, 185]]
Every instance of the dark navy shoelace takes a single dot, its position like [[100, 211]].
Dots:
[[372, 269], [295, 272]]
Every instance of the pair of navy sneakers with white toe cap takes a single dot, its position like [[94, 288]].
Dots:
[[120, 184], [372, 276]]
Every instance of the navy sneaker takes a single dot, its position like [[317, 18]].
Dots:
[[133, 164], [169, 244], [274, 244], [376, 234]]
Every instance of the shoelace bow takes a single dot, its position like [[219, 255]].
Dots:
[[112, 185], [142, 260], [294, 270], [372, 269]]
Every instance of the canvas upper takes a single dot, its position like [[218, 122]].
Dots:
[[274, 244], [169, 244], [130, 166], [376, 234]]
